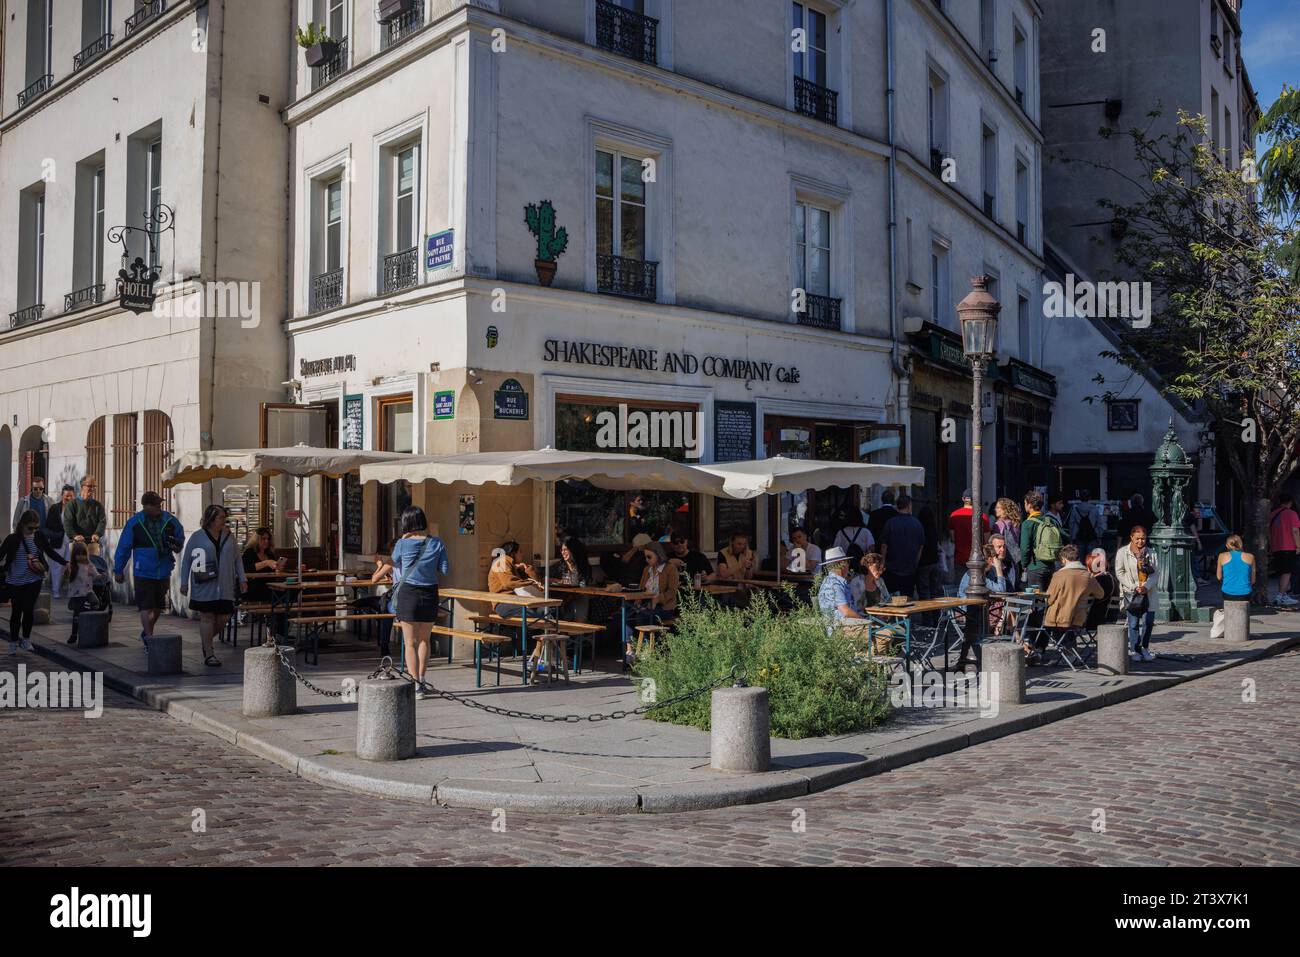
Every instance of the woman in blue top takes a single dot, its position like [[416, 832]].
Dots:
[[418, 560], [1236, 571]]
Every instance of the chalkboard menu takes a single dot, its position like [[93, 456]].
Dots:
[[353, 438], [733, 431], [733, 515]]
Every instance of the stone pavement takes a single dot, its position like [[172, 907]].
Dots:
[[469, 758], [1191, 776]]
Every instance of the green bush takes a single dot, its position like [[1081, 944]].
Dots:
[[815, 682]]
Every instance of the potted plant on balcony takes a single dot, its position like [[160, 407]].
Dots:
[[390, 10], [551, 242], [320, 48]]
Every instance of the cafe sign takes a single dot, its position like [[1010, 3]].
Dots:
[[334, 364], [638, 359]]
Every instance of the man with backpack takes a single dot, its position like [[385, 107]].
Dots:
[[1041, 540], [150, 539]]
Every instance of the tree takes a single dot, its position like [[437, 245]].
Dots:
[[1279, 167], [1224, 329]]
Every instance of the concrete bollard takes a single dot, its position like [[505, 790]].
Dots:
[[1236, 620], [269, 689], [92, 629], [1006, 660], [1112, 649], [164, 654], [740, 736], [385, 720], [41, 613]]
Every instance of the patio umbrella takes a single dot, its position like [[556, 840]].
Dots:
[[611, 470], [777, 475], [300, 461]]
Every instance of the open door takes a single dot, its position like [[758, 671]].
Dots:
[[286, 425]]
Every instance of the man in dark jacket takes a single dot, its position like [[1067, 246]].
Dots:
[[153, 537], [83, 518], [54, 533], [36, 500], [880, 516]]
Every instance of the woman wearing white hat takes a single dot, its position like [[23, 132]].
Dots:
[[835, 597]]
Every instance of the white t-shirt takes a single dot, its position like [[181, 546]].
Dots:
[[858, 535], [812, 558]]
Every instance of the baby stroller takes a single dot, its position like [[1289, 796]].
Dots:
[[103, 589]]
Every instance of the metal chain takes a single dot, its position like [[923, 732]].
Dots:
[[385, 666]]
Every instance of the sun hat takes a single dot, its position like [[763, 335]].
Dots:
[[833, 555]]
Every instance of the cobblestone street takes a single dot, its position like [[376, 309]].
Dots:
[[1188, 776]]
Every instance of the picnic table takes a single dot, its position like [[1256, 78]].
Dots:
[[522, 602], [891, 616], [624, 596]]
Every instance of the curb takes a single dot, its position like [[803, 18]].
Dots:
[[352, 774]]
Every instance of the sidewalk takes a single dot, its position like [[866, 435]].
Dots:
[[470, 758]]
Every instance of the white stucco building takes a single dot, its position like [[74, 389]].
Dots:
[[117, 114]]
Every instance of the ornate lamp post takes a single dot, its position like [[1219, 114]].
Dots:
[[978, 313]]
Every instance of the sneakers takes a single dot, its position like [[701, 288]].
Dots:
[[27, 645], [13, 647], [1148, 654], [1285, 600], [1134, 656]]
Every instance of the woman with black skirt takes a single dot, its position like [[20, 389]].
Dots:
[[419, 559]]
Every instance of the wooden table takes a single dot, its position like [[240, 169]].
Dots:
[[884, 616], [624, 596], [522, 602]]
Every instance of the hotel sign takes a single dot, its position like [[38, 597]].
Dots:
[[135, 286], [653, 360]]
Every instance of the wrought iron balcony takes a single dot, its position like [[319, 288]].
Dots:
[[145, 15], [816, 101], [936, 161], [620, 276], [330, 70], [89, 296], [395, 31], [401, 270], [35, 89], [823, 312], [988, 205], [93, 52], [26, 316], [327, 290], [626, 32]]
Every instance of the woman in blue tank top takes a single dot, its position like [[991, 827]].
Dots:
[[1236, 571]]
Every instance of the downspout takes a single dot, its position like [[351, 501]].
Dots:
[[216, 215], [900, 372]]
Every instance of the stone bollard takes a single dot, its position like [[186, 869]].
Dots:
[[740, 739], [269, 689], [92, 629], [41, 613], [385, 719], [164, 654], [1006, 660], [1112, 649], [1236, 620]]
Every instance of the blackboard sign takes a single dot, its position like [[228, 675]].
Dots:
[[733, 515], [353, 512], [733, 431], [354, 421]]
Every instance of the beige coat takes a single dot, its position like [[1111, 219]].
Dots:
[[1068, 594]]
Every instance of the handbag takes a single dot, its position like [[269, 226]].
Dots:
[[1138, 604], [397, 586]]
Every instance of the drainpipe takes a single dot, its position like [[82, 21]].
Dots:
[[900, 372]]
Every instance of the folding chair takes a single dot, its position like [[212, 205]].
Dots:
[[1024, 609], [1063, 642]]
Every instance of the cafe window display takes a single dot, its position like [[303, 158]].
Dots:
[[609, 519]]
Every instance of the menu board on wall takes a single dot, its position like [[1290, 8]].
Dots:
[[733, 431], [731, 516], [353, 438]]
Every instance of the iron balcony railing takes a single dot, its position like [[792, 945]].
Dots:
[[144, 16], [26, 316], [93, 52], [395, 31], [620, 276], [936, 161], [330, 70], [35, 89], [327, 290], [626, 32], [988, 205], [822, 312], [402, 269], [816, 101], [89, 296]]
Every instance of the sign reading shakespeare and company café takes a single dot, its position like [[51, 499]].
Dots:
[[314, 367], [639, 359]]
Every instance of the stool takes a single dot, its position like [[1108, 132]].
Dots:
[[550, 650], [647, 631]]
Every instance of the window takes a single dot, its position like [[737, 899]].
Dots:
[[940, 288], [400, 260], [812, 229], [622, 212], [31, 256], [40, 48], [1215, 41], [396, 418], [1227, 134], [622, 27], [989, 171], [155, 195], [88, 236], [1215, 139], [327, 246], [908, 254], [144, 192], [1021, 64], [988, 32], [334, 15], [812, 95], [334, 225], [937, 109], [1022, 200], [994, 283], [96, 31], [1023, 330]]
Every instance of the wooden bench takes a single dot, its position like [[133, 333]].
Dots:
[[644, 632], [582, 630], [480, 638], [256, 612], [316, 624]]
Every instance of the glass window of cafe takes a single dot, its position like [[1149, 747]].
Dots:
[[395, 415], [608, 519], [822, 513], [284, 426]]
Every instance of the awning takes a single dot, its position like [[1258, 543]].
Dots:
[[778, 474], [300, 460]]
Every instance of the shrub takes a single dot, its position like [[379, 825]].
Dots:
[[311, 36], [815, 682]]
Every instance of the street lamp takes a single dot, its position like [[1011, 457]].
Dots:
[[978, 314]]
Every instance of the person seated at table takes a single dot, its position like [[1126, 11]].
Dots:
[[835, 596], [1100, 571], [1067, 601], [868, 588], [504, 577], [736, 561], [999, 576], [689, 561], [260, 557], [660, 579], [572, 569], [625, 569], [812, 555]]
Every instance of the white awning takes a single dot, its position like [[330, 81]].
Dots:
[[300, 460], [778, 474]]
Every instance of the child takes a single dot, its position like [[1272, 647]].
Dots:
[[82, 579]]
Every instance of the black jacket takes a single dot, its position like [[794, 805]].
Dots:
[[54, 524], [9, 548]]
